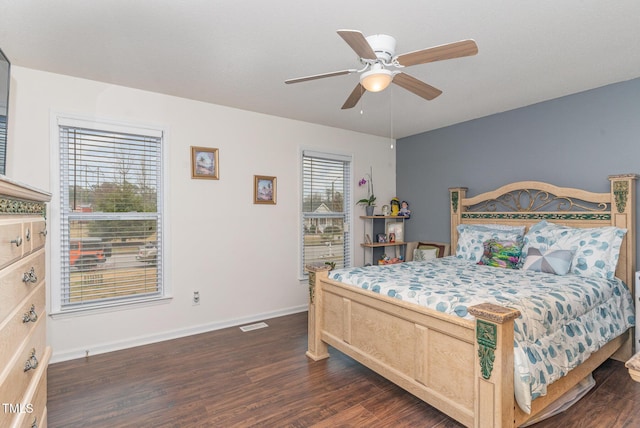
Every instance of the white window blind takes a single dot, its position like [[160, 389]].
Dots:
[[111, 216], [326, 209]]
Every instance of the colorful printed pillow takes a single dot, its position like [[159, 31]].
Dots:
[[553, 261], [596, 250], [424, 254], [503, 254], [471, 238]]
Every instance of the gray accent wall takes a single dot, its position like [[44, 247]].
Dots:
[[573, 141]]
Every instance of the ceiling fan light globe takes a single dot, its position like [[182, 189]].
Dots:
[[376, 80]]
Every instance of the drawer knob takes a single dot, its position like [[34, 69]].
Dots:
[[32, 362], [34, 424], [30, 316], [17, 241], [43, 232], [28, 235], [30, 276]]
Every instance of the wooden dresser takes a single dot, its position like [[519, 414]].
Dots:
[[24, 353]]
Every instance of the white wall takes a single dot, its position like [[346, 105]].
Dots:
[[243, 258]]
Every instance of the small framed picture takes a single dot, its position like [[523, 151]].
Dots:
[[392, 237], [397, 228], [264, 189], [204, 163], [382, 238]]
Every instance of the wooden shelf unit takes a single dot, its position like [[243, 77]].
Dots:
[[374, 225]]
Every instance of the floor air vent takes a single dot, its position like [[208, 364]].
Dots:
[[255, 326]]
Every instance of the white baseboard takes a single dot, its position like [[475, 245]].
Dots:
[[168, 335]]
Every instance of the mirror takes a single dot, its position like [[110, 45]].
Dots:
[[5, 67]]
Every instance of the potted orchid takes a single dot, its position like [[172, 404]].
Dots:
[[368, 202]]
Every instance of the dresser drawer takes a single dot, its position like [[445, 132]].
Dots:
[[12, 287], [23, 393], [14, 330], [12, 241], [36, 234], [34, 402], [14, 380], [42, 420], [33, 420]]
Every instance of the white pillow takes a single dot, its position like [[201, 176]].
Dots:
[[596, 249]]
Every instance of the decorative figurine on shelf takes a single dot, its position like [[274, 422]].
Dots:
[[386, 260], [395, 206], [386, 210], [404, 210]]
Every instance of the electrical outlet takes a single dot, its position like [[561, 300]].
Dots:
[[196, 298]]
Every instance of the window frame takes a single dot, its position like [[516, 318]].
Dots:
[[57, 308], [348, 228]]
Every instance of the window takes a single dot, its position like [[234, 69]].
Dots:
[[111, 215], [326, 209]]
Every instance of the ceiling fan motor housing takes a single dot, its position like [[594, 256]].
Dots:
[[384, 46]]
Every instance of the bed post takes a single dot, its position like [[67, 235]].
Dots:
[[456, 194], [623, 215], [317, 349], [494, 403]]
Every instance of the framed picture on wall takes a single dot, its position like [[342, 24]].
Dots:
[[204, 163], [264, 189]]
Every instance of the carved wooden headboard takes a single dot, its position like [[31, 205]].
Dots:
[[528, 202]]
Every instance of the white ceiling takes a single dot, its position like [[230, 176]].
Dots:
[[238, 53]]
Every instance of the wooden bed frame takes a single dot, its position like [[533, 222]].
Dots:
[[465, 367]]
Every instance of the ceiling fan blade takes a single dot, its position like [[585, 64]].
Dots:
[[438, 53], [416, 86], [355, 96], [358, 43], [320, 76]]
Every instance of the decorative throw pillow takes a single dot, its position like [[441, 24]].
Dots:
[[503, 254], [431, 245], [472, 237], [424, 254], [534, 237], [551, 261]]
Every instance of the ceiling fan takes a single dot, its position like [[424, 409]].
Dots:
[[377, 55]]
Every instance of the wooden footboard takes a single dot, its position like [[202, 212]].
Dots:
[[461, 367], [436, 357]]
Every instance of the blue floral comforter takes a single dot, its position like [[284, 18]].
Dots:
[[564, 318]]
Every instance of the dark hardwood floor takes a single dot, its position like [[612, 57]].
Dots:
[[228, 378]]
